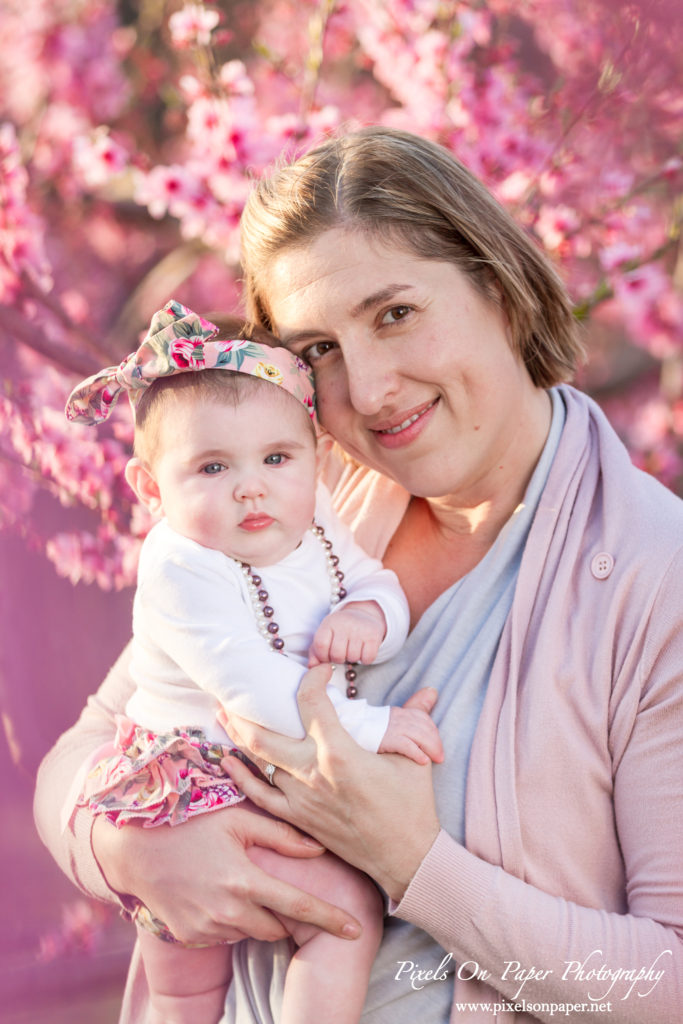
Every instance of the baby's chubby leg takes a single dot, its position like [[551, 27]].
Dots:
[[327, 979], [187, 985]]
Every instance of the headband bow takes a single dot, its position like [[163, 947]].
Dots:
[[179, 341]]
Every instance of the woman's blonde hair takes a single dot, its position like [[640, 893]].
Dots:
[[410, 191]]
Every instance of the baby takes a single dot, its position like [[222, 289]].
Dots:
[[246, 580]]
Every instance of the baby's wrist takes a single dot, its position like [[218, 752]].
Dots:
[[371, 608]]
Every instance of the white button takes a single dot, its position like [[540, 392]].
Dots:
[[602, 565]]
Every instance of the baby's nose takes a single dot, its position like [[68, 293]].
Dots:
[[250, 486]]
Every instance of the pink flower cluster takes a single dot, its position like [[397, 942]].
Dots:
[[193, 25], [22, 251], [127, 151], [81, 930]]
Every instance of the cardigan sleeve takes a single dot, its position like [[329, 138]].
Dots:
[[71, 847], [509, 928]]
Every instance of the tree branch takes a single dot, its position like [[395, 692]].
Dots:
[[31, 335]]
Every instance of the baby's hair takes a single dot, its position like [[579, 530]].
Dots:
[[213, 384]]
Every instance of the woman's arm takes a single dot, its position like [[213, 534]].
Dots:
[[226, 899], [479, 912], [71, 847]]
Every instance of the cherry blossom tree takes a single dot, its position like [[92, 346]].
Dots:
[[129, 134]]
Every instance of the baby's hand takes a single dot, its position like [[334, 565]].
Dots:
[[354, 633], [411, 732]]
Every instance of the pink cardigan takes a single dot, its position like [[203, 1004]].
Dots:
[[573, 872]]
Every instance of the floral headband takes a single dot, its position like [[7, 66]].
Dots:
[[178, 341]]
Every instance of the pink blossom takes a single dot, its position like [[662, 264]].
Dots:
[[554, 224], [193, 25], [81, 930], [235, 79], [99, 158], [616, 255], [166, 189], [638, 288], [21, 231]]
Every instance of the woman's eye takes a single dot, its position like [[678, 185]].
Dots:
[[317, 351], [395, 314], [213, 468], [275, 460]]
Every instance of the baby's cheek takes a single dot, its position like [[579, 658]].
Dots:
[[208, 527]]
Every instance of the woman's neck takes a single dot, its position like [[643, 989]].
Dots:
[[483, 511], [440, 540]]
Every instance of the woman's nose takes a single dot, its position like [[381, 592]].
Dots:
[[371, 381]]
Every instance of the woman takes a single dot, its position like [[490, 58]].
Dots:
[[541, 866]]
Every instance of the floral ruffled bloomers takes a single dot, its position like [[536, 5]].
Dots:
[[158, 779]]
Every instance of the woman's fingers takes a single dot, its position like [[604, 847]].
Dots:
[[314, 703], [278, 896], [282, 751], [290, 901], [264, 745], [230, 897], [268, 798], [268, 832]]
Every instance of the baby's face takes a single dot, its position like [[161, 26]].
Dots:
[[239, 479]]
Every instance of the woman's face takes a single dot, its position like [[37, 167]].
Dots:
[[414, 371]]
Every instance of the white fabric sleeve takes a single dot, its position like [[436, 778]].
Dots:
[[195, 613], [365, 722], [365, 579]]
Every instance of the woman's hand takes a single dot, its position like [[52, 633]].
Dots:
[[199, 879], [376, 811]]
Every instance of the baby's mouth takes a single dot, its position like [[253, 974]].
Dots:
[[256, 521]]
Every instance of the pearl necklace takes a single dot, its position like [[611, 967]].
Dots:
[[263, 612]]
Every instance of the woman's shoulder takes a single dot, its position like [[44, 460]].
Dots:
[[625, 501]]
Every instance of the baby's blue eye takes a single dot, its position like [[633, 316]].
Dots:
[[274, 460], [213, 468]]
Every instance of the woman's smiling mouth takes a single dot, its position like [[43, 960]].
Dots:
[[401, 432]]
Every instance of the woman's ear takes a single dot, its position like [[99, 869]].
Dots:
[[144, 485]]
